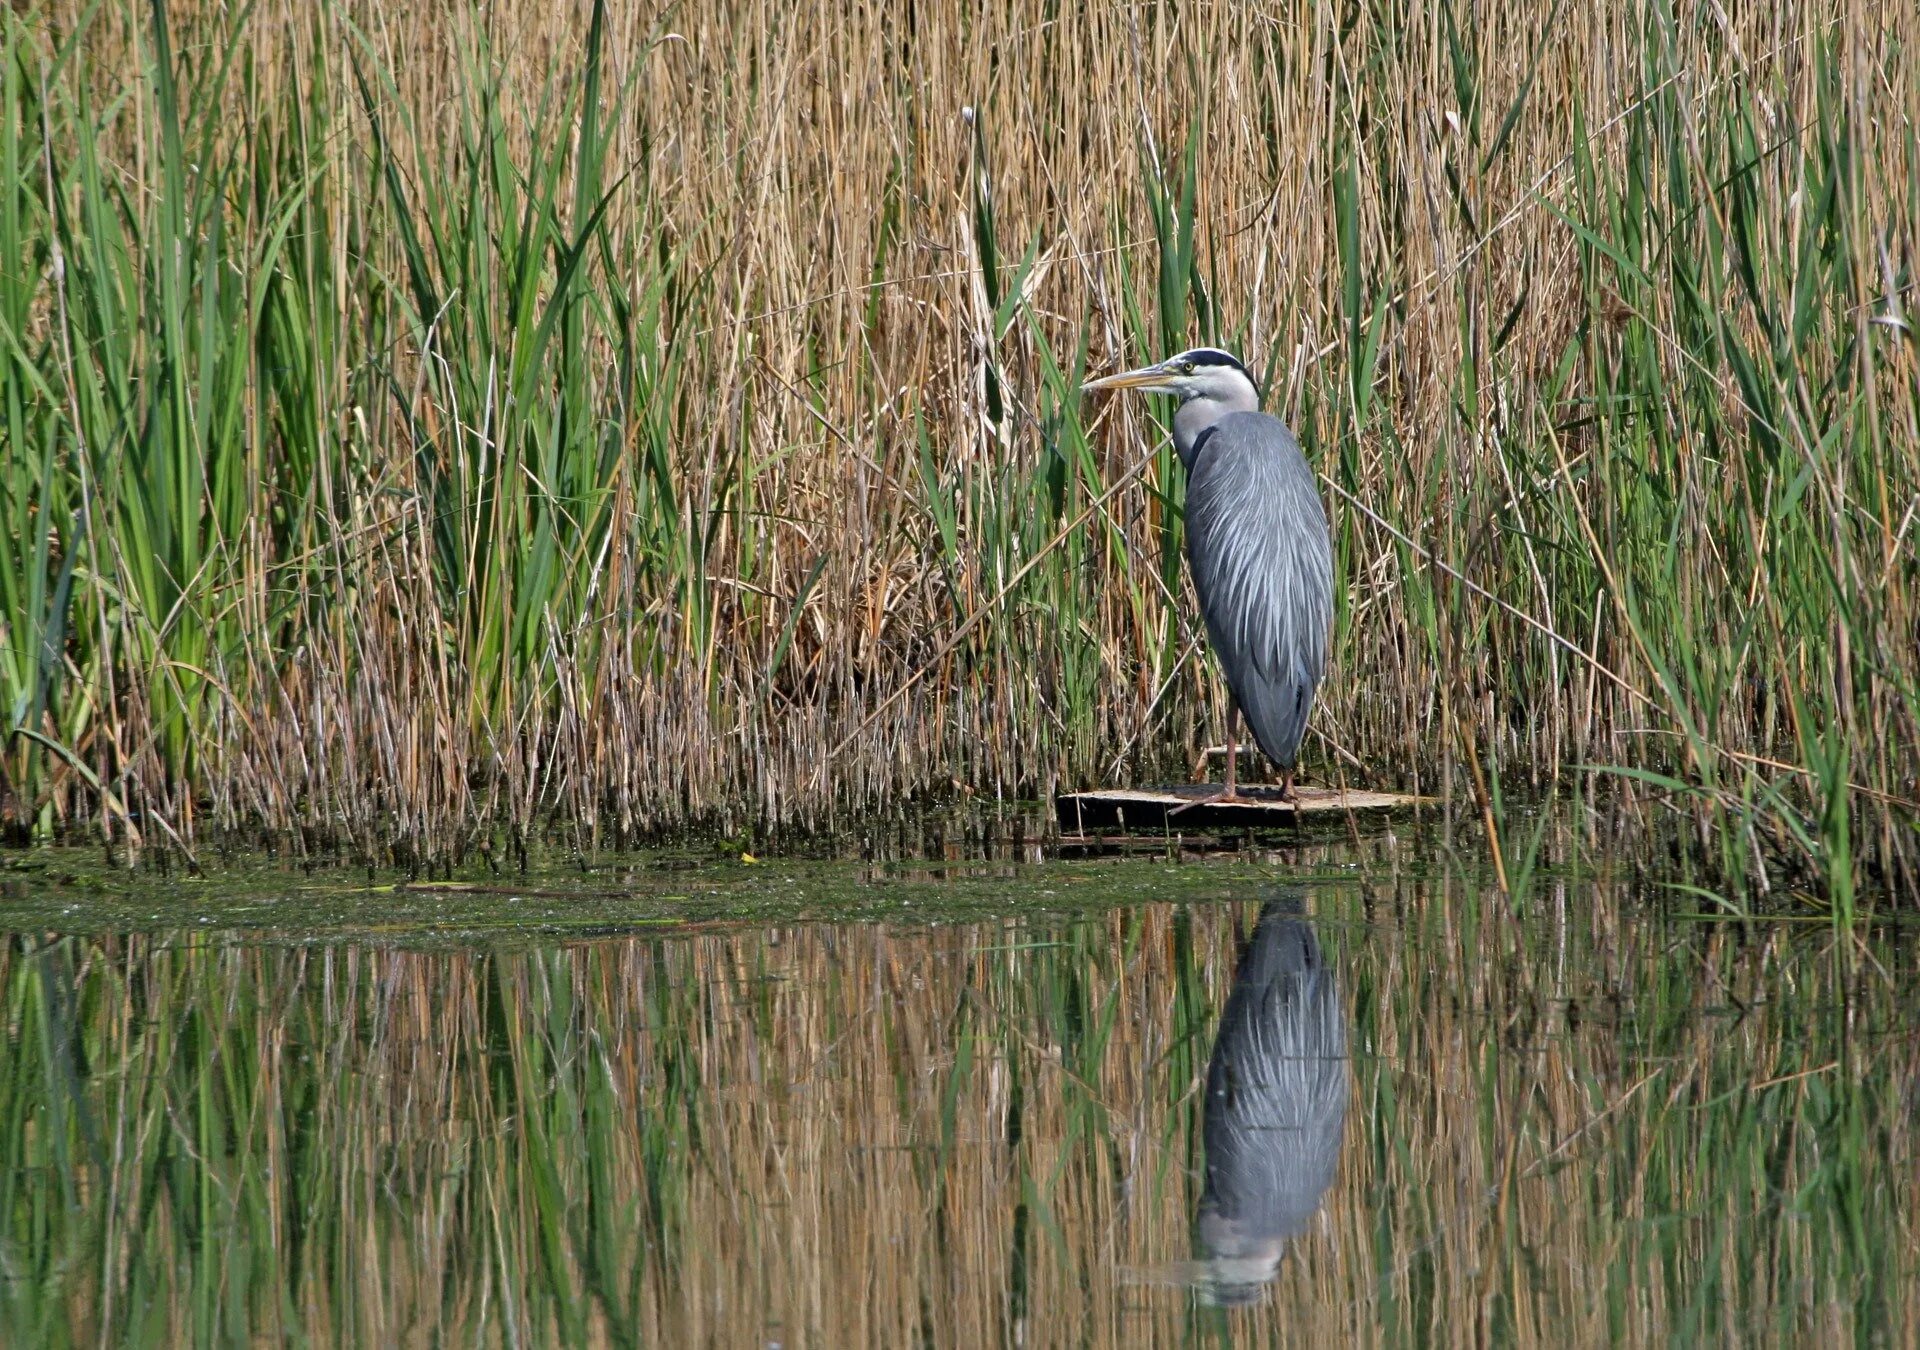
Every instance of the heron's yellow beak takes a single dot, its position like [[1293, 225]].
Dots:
[[1147, 377]]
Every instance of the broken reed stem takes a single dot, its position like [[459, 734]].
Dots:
[[979, 615]]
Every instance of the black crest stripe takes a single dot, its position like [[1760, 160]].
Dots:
[[1212, 356]]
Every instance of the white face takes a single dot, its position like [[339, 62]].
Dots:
[[1195, 374]]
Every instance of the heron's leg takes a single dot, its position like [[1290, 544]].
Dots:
[[1233, 748], [1286, 786], [1229, 792]]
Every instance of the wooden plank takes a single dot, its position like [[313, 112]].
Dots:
[[1153, 809]]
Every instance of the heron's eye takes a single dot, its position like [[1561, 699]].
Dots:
[[1186, 367]]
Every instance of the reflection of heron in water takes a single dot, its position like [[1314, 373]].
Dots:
[[1276, 1104]]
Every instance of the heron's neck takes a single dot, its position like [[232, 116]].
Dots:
[[1193, 418]]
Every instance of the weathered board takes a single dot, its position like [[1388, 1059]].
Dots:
[[1155, 809]]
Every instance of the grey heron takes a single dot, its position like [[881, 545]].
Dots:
[[1276, 1104], [1257, 547]]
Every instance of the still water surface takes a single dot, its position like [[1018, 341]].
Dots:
[[1257, 1100]]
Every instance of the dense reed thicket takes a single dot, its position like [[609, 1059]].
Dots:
[[426, 422]]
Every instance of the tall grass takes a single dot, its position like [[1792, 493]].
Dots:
[[1583, 1128], [425, 428]]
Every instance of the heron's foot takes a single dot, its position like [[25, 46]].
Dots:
[[1222, 796]]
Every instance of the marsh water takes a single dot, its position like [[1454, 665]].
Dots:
[[1330, 1094]]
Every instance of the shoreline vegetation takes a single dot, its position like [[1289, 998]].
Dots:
[[424, 426]]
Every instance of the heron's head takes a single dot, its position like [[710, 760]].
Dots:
[[1203, 373]]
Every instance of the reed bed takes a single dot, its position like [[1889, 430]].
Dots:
[[430, 426], [1587, 1128]]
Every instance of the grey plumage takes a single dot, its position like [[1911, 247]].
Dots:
[[1262, 566], [1276, 1104], [1257, 544]]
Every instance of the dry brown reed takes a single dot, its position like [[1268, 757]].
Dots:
[[1420, 220]]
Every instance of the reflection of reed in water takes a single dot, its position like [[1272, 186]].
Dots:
[[858, 1134], [1276, 1104]]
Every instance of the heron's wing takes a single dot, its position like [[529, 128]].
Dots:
[[1263, 568]]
